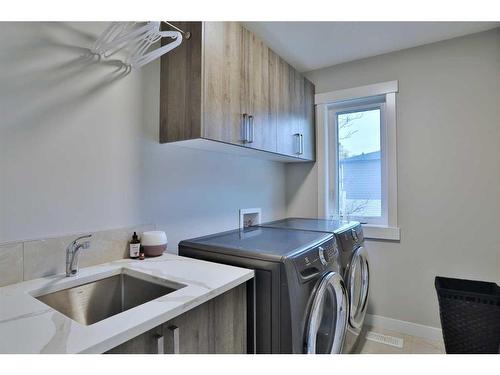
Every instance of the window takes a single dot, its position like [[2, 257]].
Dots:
[[357, 188], [357, 157]]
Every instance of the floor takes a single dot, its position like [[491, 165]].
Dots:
[[412, 344]]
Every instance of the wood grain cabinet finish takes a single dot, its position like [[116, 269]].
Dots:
[[262, 118], [218, 326], [224, 98], [225, 85]]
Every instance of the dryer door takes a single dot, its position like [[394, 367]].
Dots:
[[327, 323], [358, 279]]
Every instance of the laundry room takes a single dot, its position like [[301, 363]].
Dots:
[[298, 182]]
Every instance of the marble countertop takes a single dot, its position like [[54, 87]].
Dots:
[[29, 326]]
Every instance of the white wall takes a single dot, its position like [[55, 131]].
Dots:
[[79, 148], [448, 111]]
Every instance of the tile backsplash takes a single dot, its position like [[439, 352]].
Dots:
[[11, 263], [33, 259]]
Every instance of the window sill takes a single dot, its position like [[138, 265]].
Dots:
[[381, 232]]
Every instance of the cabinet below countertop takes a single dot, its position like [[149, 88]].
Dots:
[[218, 326]]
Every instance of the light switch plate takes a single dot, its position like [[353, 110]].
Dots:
[[249, 217]]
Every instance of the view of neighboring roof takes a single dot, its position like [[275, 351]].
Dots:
[[363, 157]]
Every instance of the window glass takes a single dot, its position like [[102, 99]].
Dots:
[[359, 163]]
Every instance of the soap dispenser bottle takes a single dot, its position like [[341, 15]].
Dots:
[[134, 247]]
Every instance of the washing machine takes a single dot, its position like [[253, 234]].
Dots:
[[354, 266], [297, 302]]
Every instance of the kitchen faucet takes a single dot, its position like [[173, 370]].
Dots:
[[72, 254]]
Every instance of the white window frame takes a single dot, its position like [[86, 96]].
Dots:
[[327, 154]]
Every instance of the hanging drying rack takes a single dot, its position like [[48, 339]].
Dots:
[[187, 34], [136, 41]]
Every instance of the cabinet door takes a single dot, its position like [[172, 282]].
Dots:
[[261, 121], [223, 81], [287, 124], [230, 321], [218, 326], [305, 114], [191, 332], [296, 129]]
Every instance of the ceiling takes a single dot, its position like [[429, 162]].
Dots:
[[313, 45]]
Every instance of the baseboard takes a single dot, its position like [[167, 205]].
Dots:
[[401, 326]]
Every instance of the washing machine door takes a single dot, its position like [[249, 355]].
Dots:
[[358, 279], [327, 323]]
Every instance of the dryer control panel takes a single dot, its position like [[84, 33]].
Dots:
[[309, 263], [351, 239]]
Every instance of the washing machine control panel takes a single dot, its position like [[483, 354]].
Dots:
[[328, 252], [310, 263]]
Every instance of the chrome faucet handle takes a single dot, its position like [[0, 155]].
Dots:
[[81, 238], [72, 254]]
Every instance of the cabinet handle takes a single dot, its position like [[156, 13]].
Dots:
[[174, 339], [244, 128], [250, 129], [297, 143], [160, 344], [300, 143]]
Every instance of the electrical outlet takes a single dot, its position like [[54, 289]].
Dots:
[[249, 217]]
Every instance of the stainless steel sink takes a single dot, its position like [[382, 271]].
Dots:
[[95, 301]]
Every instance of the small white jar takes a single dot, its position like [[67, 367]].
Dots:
[[154, 243]]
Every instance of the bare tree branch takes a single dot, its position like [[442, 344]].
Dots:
[[356, 207], [345, 122]]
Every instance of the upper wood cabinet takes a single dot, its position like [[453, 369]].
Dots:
[[225, 85]]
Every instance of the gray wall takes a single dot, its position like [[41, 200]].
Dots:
[[79, 152], [79, 148], [448, 134]]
